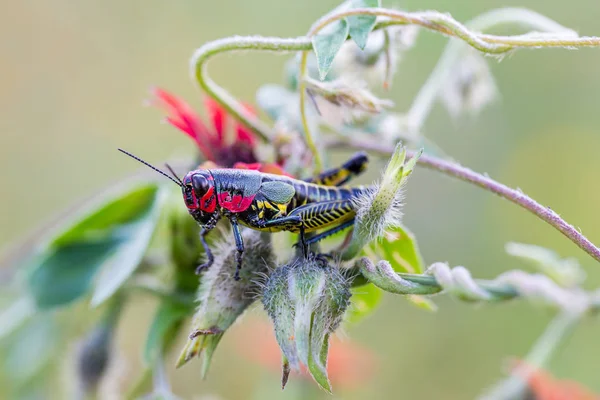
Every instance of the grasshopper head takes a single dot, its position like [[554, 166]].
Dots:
[[198, 191]]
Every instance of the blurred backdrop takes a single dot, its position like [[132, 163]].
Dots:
[[74, 76]]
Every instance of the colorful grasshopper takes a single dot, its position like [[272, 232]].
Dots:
[[268, 202]]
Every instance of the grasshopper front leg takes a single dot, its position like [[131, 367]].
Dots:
[[210, 259]]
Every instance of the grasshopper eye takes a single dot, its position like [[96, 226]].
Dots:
[[200, 184]]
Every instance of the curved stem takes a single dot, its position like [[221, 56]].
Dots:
[[423, 102], [198, 66], [303, 117], [513, 195]]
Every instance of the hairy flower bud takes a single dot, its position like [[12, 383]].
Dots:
[[306, 299], [349, 95], [381, 208], [221, 298], [469, 87]]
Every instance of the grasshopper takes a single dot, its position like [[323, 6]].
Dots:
[[268, 202]]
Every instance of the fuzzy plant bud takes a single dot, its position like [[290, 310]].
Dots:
[[351, 96], [469, 87], [94, 351], [306, 299], [381, 208], [221, 298]]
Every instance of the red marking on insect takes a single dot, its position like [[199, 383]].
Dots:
[[208, 203], [237, 203]]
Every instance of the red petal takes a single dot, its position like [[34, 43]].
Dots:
[[218, 116], [274, 169], [243, 134], [183, 117], [241, 165]]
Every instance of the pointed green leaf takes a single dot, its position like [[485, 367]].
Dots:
[[399, 247], [13, 316], [123, 263], [115, 233], [364, 300], [327, 43], [63, 275], [317, 361], [98, 222], [166, 322], [360, 26]]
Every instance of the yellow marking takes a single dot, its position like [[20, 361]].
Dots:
[[261, 214], [270, 206], [282, 209]]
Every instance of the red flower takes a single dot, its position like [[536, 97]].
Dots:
[[225, 142], [544, 386]]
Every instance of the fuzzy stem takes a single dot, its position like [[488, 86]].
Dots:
[[198, 65], [513, 386], [446, 25], [303, 117], [428, 93], [463, 173], [432, 20]]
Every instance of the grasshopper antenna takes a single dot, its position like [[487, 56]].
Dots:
[[178, 181], [174, 174]]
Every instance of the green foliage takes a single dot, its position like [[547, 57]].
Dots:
[[327, 43], [166, 324], [364, 301], [399, 247], [361, 25], [107, 244]]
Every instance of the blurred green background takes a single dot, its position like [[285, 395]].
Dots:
[[74, 78]]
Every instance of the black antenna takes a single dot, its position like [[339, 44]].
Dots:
[[174, 174], [151, 166]]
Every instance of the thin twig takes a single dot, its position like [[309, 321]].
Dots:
[[487, 183]]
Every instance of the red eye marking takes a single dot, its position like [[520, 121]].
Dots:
[[208, 202], [237, 203]]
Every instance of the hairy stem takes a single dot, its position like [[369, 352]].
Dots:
[[447, 25], [513, 195], [428, 93], [198, 66]]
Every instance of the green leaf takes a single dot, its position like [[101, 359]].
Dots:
[[113, 236], [13, 316], [360, 26], [63, 275], [364, 300], [328, 43], [122, 265], [399, 247], [31, 349], [163, 328], [98, 223]]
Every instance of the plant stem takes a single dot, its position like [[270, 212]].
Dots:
[[513, 387], [428, 93], [198, 66], [513, 195], [303, 117]]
